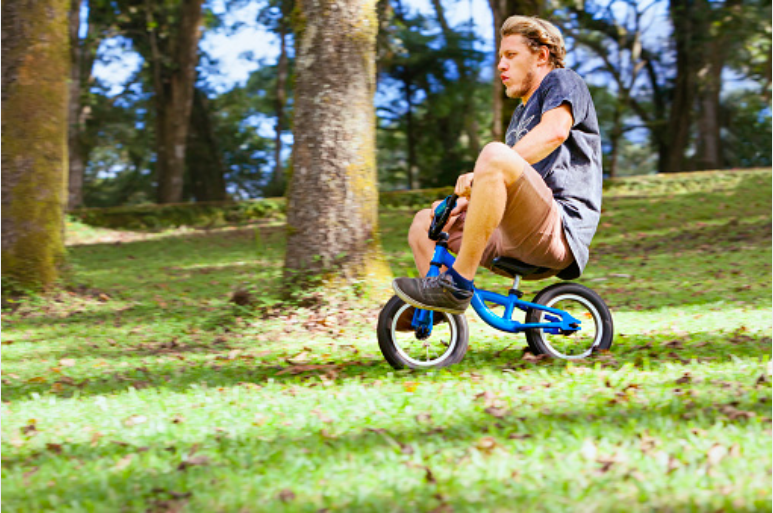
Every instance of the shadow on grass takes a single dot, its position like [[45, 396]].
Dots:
[[259, 459], [185, 365]]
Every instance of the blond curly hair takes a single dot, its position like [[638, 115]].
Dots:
[[537, 33]]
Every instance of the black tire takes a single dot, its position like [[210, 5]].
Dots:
[[391, 341], [583, 304]]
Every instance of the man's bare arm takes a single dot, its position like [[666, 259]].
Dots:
[[549, 134]]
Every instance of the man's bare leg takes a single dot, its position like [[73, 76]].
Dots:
[[497, 168], [422, 247]]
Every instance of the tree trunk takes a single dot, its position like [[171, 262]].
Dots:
[[203, 155], [680, 118], [75, 128], [333, 198], [709, 147], [173, 88], [35, 69], [277, 185]]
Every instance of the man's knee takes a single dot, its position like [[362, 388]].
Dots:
[[497, 160], [419, 226]]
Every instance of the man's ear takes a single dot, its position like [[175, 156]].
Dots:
[[544, 55]]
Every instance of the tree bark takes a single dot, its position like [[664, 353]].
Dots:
[[75, 111], [709, 145], [203, 156], [173, 87], [333, 197], [35, 70]]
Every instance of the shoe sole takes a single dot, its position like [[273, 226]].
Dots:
[[408, 299]]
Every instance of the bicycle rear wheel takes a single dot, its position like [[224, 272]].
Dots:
[[596, 329]]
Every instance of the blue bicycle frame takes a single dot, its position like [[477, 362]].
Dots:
[[559, 321]]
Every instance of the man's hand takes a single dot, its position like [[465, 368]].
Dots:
[[463, 187], [461, 206]]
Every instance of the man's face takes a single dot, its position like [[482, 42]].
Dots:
[[517, 66]]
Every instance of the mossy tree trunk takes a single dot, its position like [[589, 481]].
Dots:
[[35, 69], [333, 197]]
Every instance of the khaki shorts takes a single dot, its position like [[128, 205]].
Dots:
[[531, 229]]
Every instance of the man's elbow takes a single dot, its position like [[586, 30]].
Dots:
[[560, 135]]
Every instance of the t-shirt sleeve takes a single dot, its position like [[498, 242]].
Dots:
[[565, 88]]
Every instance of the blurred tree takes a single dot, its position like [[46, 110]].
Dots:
[[166, 34], [746, 130], [428, 133], [118, 139], [332, 212], [95, 19], [35, 69], [617, 43], [205, 169], [276, 16]]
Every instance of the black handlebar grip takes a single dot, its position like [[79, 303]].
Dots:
[[442, 214]]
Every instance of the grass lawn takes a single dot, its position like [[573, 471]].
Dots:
[[142, 388]]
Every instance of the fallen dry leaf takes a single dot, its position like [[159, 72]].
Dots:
[[423, 417], [519, 436], [496, 412], [124, 462], [486, 444], [410, 386], [686, 378], [299, 359], [55, 448], [286, 495], [193, 462]]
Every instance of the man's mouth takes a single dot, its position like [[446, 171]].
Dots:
[[504, 78]]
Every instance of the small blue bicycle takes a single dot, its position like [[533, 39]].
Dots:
[[565, 320]]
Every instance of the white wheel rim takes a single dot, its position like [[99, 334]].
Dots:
[[596, 319], [425, 363]]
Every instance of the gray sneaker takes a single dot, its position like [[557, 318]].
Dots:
[[438, 293]]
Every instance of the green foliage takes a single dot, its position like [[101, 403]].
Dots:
[[204, 215], [747, 142]]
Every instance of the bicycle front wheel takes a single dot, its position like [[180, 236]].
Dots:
[[403, 348]]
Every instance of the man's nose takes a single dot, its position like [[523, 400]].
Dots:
[[502, 65]]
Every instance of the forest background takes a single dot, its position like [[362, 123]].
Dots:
[[678, 86]]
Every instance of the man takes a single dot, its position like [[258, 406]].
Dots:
[[536, 198]]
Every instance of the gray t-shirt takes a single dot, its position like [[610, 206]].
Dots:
[[573, 170]]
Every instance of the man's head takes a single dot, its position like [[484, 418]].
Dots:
[[530, 49]]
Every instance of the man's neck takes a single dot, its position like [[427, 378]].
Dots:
[[542, 73]]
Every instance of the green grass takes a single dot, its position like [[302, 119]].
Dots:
[[143, 388]]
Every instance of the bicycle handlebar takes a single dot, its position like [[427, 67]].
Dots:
[[442, 213]]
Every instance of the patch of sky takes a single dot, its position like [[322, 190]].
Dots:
[[116, 65]]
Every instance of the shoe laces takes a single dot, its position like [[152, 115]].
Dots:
[[434, 281]]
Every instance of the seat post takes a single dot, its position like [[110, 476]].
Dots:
[[516, 282]]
